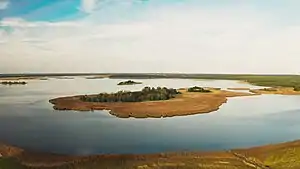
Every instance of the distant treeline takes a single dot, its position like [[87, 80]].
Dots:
[[146, 94], [13, 83], [255, 79], [198, 89]]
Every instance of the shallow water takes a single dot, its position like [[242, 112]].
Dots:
[[28, 120]]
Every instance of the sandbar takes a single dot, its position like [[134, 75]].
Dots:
[[97, 77]]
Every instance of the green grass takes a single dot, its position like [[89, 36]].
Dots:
[[284, 159], [277, 157], [8, 163], [260, 80]]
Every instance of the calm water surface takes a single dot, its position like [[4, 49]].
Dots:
[[28, 120]]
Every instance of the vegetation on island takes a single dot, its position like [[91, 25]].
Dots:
[[13, 83], [129, 82], [297, 88], [198, 89], [146, 94], [269, 89]]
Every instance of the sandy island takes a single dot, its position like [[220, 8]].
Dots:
[[187, 103]]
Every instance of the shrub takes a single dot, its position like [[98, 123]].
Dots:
[[198, 89]]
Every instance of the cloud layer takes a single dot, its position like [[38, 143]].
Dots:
[[183, 38], [89, 6], [4, 4]]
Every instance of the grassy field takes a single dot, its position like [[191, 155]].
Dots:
[[10, 163], [277, 156]]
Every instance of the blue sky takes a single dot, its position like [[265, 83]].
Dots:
[[57, 10], [42, 10], [220, 36]]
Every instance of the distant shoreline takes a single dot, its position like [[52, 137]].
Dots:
[[271, 80]]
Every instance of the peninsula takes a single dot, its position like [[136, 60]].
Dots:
[[150, 102]]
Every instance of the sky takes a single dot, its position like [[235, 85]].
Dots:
[[158, 36]]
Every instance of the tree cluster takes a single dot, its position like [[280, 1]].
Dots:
[[129, 82], [297, 88], [198, 89], [13, 83], [146, 94], [269, 89]]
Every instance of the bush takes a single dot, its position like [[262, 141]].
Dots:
[[198, 89], [297, 88], [129, 82], [13, 83]]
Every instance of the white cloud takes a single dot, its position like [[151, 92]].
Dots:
[[167, 40], [21, 23], [4, 4], [89, 6]]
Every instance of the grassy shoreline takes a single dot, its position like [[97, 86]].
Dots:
[[273, 156]]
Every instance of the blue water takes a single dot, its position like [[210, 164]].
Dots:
[[28, 120]]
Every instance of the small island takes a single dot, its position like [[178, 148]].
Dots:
[[64, 77], [43, 78], [13, 83], [97, 77], [129, 82], [149, 102], [198, 89]]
